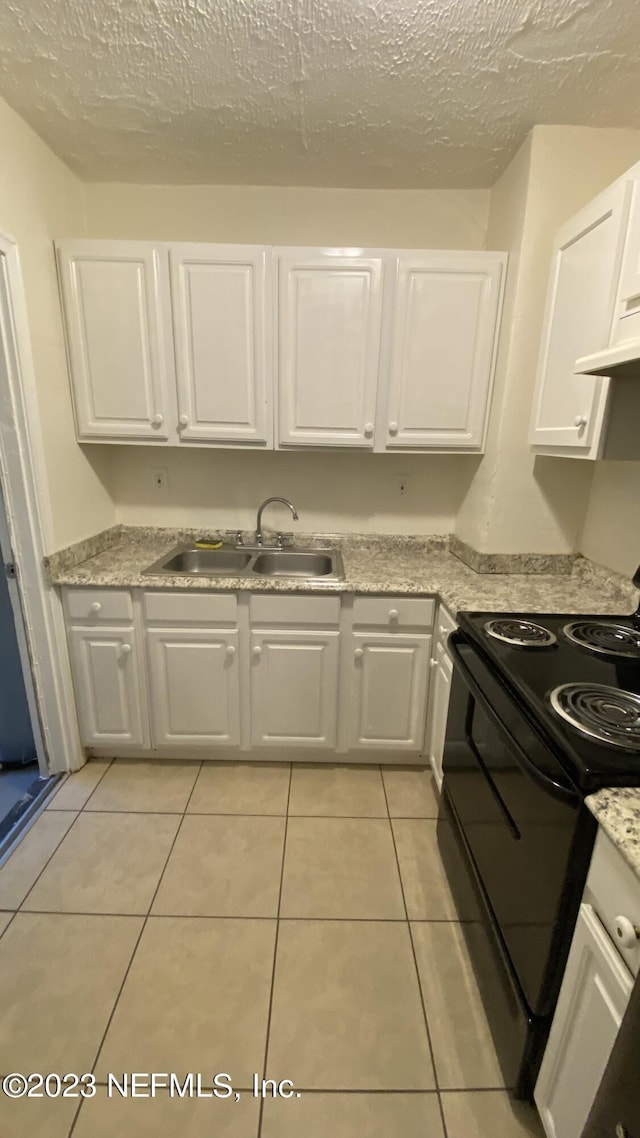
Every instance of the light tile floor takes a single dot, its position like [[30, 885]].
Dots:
[[292, 922]]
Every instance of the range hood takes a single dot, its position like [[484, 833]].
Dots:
[[621, 362]]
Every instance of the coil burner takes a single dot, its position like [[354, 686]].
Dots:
[[607, 714], [604, 637], [519, 633]]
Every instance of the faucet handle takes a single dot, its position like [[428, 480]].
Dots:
[[283, 540], [239, 538]]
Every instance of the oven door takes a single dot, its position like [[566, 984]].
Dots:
[[518, 817]]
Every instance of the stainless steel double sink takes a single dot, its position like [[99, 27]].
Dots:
[[307, 564]]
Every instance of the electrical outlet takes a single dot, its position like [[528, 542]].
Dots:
[[402, 483], [160, 481]]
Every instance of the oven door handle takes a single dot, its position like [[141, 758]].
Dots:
[[556, 789]]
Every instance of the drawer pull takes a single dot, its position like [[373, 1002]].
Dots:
[[257, 650], [125, 649], [96, 606], [231, 650], [627, 933], [393, 614], [358, 653]]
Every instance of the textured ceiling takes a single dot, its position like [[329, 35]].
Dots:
[[409, 93]]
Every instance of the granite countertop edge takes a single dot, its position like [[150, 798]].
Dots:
[[617, 811]]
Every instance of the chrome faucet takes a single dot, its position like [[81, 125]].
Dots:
[[285, 502]]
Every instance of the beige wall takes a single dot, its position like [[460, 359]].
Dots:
[[274, 215], [334, 491], [517, 501], [39, 200], [611, 534]]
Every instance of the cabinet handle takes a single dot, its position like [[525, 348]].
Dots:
[[257, 650], [125, 649], [627, 933], [96, 606], [230, 650], [433, 663], [393, 614], [358, 652], [184, 420], [580, 421], [393, 428], [442, 630], [157, 421], [368, 430]]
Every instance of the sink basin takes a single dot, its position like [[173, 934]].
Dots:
[[206, 562], [292, 563], [305, 564]]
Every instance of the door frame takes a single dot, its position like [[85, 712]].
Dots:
[[30, 529]]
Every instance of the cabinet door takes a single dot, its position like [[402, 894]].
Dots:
[[594, 994], [441, 673], [107, 672], [294, 689], [389, 691], [222, 314], [194, 689], [330, 313], [568, 409], [117, 312], [626, 325], [445, 325]]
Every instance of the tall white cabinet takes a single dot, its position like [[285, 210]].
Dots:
[[443, 342], [118, 318], [329, 339], [221, 305]]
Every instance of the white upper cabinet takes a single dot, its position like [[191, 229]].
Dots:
[[569, 409], [118, 315], [445, 322], [329, 333], [222, 321], [626, 324]]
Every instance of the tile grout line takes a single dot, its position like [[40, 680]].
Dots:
[[275, 950], [136, 945], [105, 772], [415, 962]]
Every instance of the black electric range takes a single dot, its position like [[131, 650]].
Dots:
[[543, 711]]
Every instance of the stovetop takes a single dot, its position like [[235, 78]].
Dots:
[[534, 673]]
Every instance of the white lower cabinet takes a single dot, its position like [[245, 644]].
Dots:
[[294, 688], [388, 691], [442, 672], [594, 995], [107, 669], [194, 686]]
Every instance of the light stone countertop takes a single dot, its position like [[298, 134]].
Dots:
[[617, 810], [384, 565]]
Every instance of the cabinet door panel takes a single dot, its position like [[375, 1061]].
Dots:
[[568, 408], [221, 314], [444, 333], [194, 686], [106, 675], [330, 312], [595, 991], [294, 688], [117, 310], [389, 691], [441, 674]]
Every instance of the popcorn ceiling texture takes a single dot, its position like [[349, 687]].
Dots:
[[379, 93]]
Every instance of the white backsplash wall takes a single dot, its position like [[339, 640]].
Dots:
[[333, 491]]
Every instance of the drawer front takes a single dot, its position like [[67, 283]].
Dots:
[[274, 610], [190, 608], [394, 612], [445, 623], [614, 891], [98, 605]]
